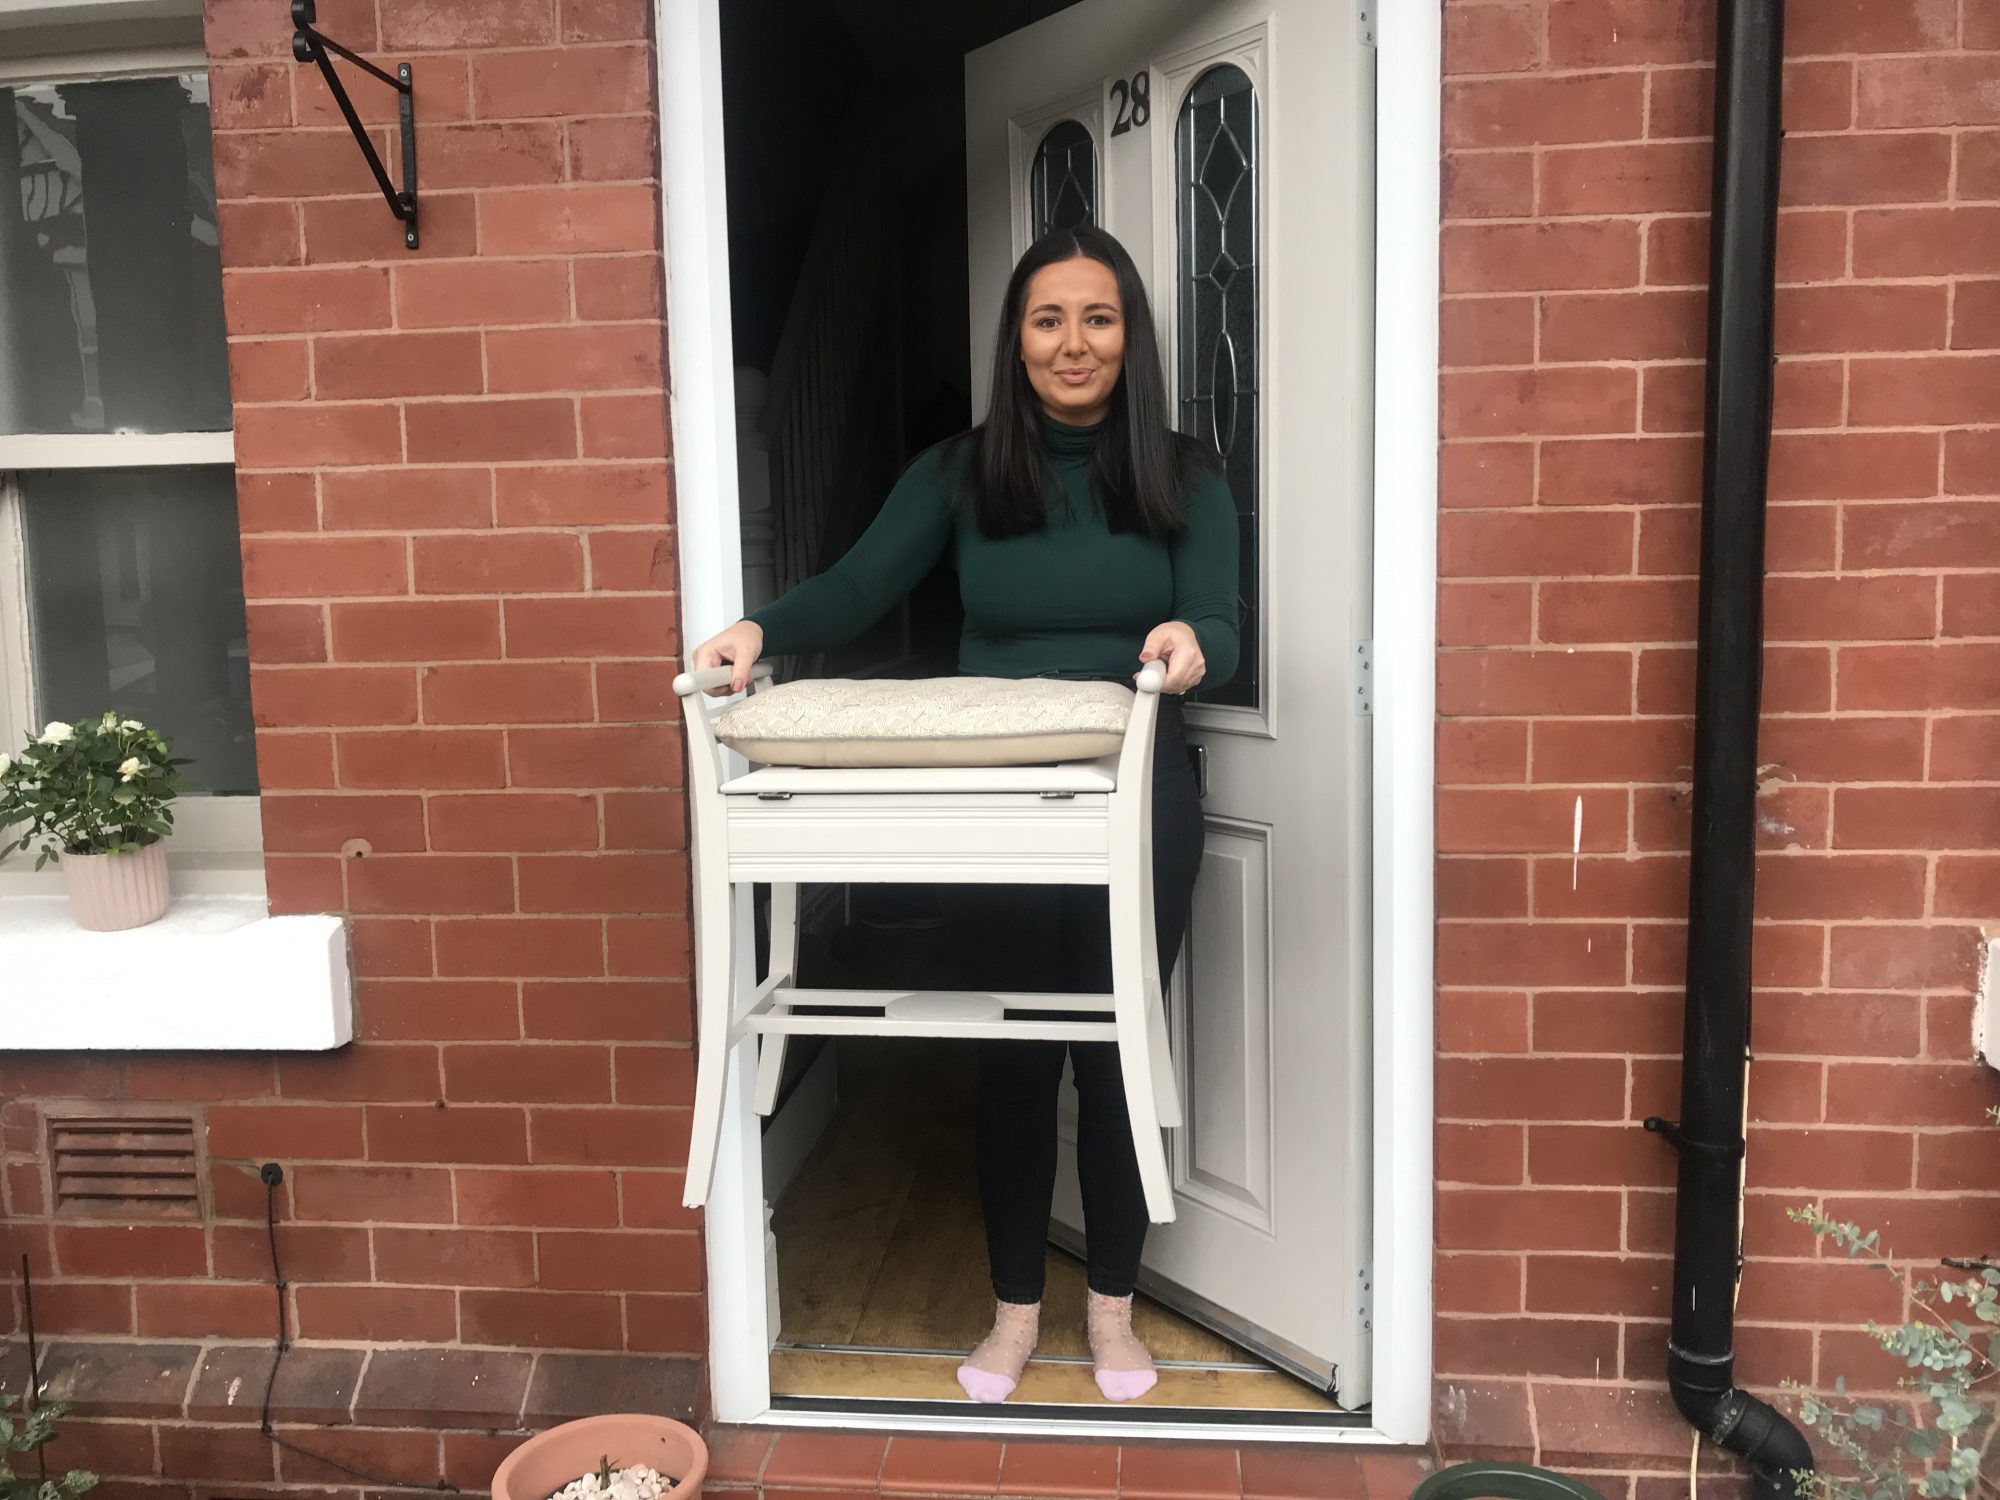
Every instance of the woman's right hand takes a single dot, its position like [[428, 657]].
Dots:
[[739, 646]]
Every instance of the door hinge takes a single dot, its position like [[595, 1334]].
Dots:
[[1365, 16], [1364, 678], [1364, 1302]]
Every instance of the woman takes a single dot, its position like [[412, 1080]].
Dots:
[[1089, 539]]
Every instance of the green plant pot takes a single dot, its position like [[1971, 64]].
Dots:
[[1494, 1481]]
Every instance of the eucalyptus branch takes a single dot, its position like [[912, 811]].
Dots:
[[26, 1432], [1948, 1432]]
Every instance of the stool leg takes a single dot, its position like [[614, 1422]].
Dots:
[[1135, 1043], [1166, 1092], [715, 1002], [785, 961]]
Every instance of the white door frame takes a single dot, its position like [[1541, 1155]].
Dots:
[[1408, 160]]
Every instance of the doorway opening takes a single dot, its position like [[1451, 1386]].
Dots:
[[879, 153]]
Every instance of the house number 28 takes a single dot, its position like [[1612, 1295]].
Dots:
[[1133, 97]]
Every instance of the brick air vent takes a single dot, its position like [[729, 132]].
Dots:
[[130, 1165]]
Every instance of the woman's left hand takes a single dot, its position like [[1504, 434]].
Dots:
[[1174, 644]]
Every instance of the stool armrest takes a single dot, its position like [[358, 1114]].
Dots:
[[1135, 756], [690, 683]]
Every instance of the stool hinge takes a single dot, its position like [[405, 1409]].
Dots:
[[1058, 796], [774, 796], [1670, 1130]]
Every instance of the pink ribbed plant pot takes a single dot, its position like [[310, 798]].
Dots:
[[110, 892], [549, 1460]]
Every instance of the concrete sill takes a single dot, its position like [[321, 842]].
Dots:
[[216, 973]]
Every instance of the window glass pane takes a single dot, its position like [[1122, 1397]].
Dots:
[[1215, 175], [110, 280], [1062, 190], [135, 603]]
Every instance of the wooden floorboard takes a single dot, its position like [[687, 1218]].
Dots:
[[881, 1248]]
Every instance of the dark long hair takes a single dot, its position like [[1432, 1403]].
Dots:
[[1138, 462]]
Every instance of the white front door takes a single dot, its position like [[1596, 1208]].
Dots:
[[1226, 144]]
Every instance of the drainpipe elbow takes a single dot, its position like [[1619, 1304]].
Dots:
[[1773, 1447], [1757, 1431]]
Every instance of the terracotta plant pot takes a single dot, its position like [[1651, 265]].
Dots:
[[110, 892], [549, 1460]]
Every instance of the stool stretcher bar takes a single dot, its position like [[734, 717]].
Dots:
[[968, 1013]]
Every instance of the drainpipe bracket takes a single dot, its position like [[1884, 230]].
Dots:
[[1670, 1130]]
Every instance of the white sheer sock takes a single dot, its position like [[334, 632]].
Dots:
[[1124, 1369], [991, 1371]]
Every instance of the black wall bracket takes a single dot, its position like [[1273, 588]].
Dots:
[[308, 45]]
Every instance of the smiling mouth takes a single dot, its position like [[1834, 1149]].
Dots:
[[1075, 377]]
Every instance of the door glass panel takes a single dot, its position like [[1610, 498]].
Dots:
[[135, 603], [1062, 189], [1215, 177], [110, 276]]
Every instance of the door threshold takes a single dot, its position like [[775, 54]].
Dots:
[[907, 1381], [884, 1351], [1046, 1419]]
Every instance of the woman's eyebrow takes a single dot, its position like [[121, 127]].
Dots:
[[1056, 307]]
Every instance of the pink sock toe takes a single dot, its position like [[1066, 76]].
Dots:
[[1126, 1385], [991, 1371], [986, 1385]]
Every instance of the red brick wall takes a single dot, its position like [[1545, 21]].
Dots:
[[457, 550], [1575, 252], [457, 542]]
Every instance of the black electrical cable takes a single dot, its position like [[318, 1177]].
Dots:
[[273, 1174], [31, 1400]]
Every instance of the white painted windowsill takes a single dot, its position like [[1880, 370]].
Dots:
[[216, 973]]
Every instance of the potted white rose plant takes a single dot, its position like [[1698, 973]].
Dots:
[[96, 794]]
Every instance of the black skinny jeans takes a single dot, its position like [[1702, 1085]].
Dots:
[[1057, 939]]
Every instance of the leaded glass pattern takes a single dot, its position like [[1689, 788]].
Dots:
[[1215, 176], [1062, 188]]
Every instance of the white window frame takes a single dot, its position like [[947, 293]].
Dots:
[[218, 842]]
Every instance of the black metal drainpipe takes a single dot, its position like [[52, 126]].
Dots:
[[1708, 1225]]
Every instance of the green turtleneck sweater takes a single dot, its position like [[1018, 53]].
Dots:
[[1073, 598]]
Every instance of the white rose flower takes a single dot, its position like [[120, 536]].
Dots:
[[110, 720], [131, 724], [129, 767], [6, 764], [55, 732]]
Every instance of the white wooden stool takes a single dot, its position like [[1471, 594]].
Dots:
[[1077, 823]]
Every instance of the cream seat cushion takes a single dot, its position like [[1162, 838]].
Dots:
[[929, 721]]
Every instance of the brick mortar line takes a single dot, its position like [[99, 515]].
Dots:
[[1693, 66]]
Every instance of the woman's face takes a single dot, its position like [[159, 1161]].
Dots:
[[1073, 338]]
